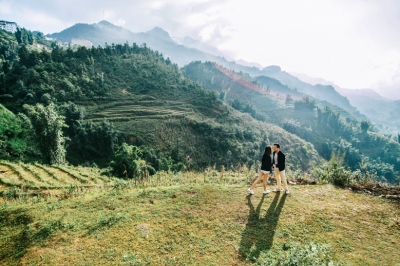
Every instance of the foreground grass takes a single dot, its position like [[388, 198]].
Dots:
[[201, 225]]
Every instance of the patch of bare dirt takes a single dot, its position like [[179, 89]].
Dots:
[[388, 192]]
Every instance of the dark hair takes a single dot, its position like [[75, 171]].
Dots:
[[267, 150], [277, 145]]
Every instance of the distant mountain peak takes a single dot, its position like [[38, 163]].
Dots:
[[272, 68], [105, 23], [159, 32]]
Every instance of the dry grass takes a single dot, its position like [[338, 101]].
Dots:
[[126, 111], [28, 176], [198, 224]]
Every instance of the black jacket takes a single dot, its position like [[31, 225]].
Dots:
[[266, 162], [281, 160]]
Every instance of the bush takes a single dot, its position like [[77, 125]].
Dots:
[[295, 254], [334, 172], [126, 161]]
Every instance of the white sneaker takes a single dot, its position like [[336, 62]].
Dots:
[[287, 191], [266, 191], [250, 191], [277, 190]]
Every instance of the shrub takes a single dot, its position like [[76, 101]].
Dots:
[[334, 172], [296, 254]]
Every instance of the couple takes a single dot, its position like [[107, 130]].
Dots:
[[278, 163]]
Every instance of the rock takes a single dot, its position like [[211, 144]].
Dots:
[[144, 229], [392, 196]]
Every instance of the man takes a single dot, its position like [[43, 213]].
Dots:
[[278, 159]]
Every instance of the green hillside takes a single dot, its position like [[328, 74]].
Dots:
[[329, 128], [215, 223], [149, 103]]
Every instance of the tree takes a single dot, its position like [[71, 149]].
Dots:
[[12, 134], [365, 125], [23, 54], [305, 104], [94, 140], [72, 113], [18, 35], [126, 162], [47, 126]]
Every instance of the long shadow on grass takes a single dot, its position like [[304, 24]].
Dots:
[[259, 233], [24, 234]]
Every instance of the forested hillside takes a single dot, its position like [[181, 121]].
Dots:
[[129, 94], [329, 128]]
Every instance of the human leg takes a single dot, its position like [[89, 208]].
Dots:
[[278, 180], [250, 190], [257, 180], [283, 177], [265, 178]]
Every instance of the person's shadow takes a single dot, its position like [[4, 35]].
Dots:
[[259, 232]]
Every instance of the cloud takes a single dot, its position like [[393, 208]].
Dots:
[[340, 40], [385, 75]]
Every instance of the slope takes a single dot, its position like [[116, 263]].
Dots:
[[329, 128], [150, 103], [157, 39], [383, 113], [196, 224]]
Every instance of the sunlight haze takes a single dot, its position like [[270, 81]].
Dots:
[[354, 44]]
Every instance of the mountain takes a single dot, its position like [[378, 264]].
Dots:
[[166, 110], [382, 112], [191, 50], [149, 102], [350, 93], [196, 44], [157, 39], [327, 127], [321, 92]]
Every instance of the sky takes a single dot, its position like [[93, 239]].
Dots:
[[352, 43]]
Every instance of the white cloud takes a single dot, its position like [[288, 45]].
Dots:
[[339, 40]]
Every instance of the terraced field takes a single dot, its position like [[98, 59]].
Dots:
[[36, 176], [145, 109]]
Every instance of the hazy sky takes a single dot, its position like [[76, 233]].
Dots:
[[354, 43]]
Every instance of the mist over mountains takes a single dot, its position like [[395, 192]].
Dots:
[[182, 51]]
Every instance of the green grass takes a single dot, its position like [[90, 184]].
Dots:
[[199, 219]]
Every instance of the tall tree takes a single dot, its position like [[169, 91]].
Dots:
[[47, 126]]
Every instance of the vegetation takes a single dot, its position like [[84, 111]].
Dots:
[[130, 94], [192, 218], [328, 127], [72, 120], [47, 127]]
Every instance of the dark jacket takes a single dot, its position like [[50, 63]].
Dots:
[[266, 162], [281, 160]]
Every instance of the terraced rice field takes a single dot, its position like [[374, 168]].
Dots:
[[36, 176], [124, 111]]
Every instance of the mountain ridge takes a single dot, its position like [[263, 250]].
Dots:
[[158, 39]]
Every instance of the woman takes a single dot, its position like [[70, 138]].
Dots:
[[266, 166]]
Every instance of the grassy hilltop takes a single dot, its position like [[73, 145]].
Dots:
[[195, 219]]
